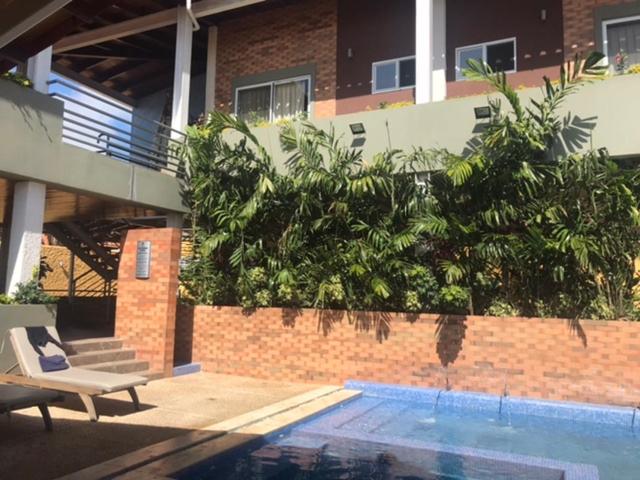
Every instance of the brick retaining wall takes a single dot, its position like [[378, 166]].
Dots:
[[544, 358]]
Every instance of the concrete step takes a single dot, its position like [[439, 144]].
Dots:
[[122, 366], [101, 356], [93, 345]]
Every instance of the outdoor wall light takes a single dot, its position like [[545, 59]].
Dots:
[[482, 113], [543, 15], [357, 129]]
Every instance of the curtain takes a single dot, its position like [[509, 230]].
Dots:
[[290, 99], [624, 37], [254, 104]]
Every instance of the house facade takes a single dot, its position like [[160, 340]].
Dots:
[[72, 171], [324, 58]]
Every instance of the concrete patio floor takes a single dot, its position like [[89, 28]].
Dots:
[[170, 407]]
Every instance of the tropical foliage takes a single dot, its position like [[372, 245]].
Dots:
[[17, 78], [517, 225]]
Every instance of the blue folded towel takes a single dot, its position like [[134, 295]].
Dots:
[[53, 363]]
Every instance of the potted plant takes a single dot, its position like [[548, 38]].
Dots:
[[30, 305]]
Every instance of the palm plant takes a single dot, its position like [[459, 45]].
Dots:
[[535, 227], [516, 225], [335, 231]]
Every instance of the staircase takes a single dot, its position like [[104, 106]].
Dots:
[[97, 245], [107, 355]]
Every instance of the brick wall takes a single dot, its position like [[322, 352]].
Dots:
[[544, 358], [146, 309], [296, 34], [580, 24]]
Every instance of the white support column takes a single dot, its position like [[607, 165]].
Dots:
[[439, 85], [424, 51], [25, 242], [212, 59], [182, 72], [39, 69]]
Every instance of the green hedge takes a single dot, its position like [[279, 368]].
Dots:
[[510, 228]]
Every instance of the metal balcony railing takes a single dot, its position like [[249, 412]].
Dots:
[[100, 125]]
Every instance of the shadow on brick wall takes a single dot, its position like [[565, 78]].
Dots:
[[450, 334], [378, 322], [289, 316], [576, 329]]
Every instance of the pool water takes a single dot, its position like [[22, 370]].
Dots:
[[412, 434]]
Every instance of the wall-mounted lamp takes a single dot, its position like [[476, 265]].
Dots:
[[482, 113], [349, 52], [359, 137], [543, 14], [357, 129]]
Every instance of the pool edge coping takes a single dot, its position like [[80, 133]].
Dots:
[[132, 461]]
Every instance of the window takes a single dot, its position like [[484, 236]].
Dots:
[[499, 55], [273, 101], [622, 37], [394, 74]]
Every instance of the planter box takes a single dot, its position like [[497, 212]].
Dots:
[[21, 316]]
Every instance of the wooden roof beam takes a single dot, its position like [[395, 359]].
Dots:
[[72, 75], [145, 23], [28, 22]]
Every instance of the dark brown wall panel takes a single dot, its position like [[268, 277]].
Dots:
[[375, 30], [539, 42]]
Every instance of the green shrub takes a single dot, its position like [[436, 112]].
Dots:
[[31, 293], [514, 217], [454, 299], [18, 79], [599, 309], [412, 302], [6, 299], [502, 308]]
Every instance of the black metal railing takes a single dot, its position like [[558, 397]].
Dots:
[[100, 125]]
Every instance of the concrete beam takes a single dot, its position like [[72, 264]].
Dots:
[[153, 21]]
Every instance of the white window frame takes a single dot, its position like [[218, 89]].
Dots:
[[484, 45], [272, 84], [397, 86], [605, 36]]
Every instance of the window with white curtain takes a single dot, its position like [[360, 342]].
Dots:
[[273, 101]]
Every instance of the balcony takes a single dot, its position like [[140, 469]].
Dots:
[[80, 150], [93, 122]]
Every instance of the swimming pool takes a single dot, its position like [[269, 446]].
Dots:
[[411, 434]]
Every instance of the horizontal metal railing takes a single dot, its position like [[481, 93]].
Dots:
[[100, 125]]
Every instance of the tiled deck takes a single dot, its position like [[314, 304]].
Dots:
[[170, 408]]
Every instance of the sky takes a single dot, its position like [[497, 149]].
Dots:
[[108, 116]]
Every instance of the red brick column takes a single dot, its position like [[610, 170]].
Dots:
[[146, 309]]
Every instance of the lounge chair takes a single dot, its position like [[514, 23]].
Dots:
[[14, 397], [86, 383]]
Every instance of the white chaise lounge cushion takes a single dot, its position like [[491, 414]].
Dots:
[[27, 355], [104, 381], [79, 377]]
